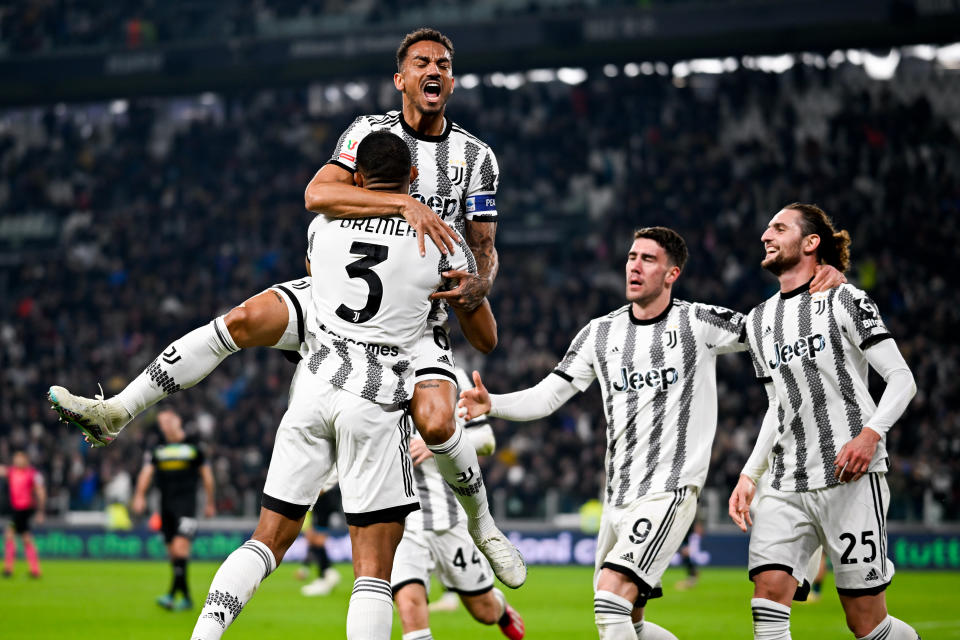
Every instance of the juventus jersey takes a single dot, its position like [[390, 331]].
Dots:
[[658, 381], [811, 346], [370, 302], [457, 173], [439, 509]]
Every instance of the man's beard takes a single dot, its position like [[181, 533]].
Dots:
[[781, 263]]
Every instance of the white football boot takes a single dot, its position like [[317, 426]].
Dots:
[[100, 420]]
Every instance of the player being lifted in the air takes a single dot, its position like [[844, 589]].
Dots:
[[347, 411], [825, 454], [457, 182]]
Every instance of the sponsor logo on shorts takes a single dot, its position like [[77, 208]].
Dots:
[[628, 556], [872, 575]]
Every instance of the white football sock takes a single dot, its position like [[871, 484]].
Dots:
[[457, 460], [892, 629], [234, 584], [184, 363], [612, 615], [771, 620], [502, 601], [419, 634], [647, 630], [370, 614]]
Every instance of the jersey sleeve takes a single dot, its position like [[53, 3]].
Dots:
[[721, 329], [577, 366], [859, 317], [751, 340], [345, 153], [481, 201]]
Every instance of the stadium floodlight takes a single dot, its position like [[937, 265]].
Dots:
[[647, 68], [571, 75], [355, 90], [514, 81], [681, 70], [923, 51], [775, 64], [632, 70], [836, 59], [118, 107], [881, 67], [704, 65], [949, 56], [541, 75], [469, 80], [610, 70]]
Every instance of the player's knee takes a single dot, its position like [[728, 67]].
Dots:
[[410, 602], [434, 420]]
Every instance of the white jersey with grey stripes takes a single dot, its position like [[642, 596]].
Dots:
[[658, 381], [370, 302], [457, 173], [811, 346], [439, 509]]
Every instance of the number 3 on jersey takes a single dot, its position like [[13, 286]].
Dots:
[[373, 254]]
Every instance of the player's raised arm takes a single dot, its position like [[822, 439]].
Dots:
[[333, 192]]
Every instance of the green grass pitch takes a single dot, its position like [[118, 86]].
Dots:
[[99, 599]]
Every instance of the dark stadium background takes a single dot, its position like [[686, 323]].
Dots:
[[154, 155]]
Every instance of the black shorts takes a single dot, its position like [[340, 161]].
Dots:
[[174, 524], [21, 520], [326, 505]]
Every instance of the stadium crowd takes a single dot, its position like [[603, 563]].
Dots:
[[148, 219]]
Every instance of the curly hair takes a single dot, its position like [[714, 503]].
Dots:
[[834, 246], [670, 240]]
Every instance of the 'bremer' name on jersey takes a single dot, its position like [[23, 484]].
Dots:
[[457, 173], [810, 346], [658, 381], [382, 226]]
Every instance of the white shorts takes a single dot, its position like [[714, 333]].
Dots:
[[640, 539], [849, 520], [434, 360], [460, 566], [296, 294], [326, 428]]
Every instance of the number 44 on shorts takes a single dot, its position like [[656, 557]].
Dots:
[[460, 562]]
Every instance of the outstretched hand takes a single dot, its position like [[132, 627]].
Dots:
[[739, 503], [474, 402], [426, 222], [826, 277]]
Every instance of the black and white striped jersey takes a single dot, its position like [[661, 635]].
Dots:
[[811, 346], [439, 509], [457, 172], [658, 381], [370, 301]]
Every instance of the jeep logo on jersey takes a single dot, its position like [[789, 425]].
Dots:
[[444, 207], [806, 347], [635, 380]]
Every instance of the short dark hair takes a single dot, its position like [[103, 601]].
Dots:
[[670, 240], [834, 246], [421, 34], [383, 157]]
